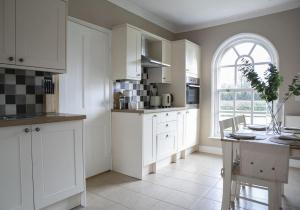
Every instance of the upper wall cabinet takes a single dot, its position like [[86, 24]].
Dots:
[[33, 34], [186, 57], [126, 52]]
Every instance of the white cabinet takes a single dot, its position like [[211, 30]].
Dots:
[[126, 52], [85, 89], [57, 162], [149, 138], [7, 32], [181, 120], [34, 32], [192, 58], [192, 126], [186, 57], [40, 164], [16, 186], [166, 145], [164, 74]]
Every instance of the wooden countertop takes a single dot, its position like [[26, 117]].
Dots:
[[41, 119], [149, 111]]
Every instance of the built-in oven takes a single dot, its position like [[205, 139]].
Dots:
[[192, 92]]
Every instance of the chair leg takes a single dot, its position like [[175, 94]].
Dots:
[[282, 189]]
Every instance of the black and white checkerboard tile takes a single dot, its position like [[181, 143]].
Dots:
[[21, 91], [140, 90]]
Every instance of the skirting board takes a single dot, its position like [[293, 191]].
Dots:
[[218, 151]]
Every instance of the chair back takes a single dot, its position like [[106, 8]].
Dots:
[[264, 161], [225, 124], [238, 120]]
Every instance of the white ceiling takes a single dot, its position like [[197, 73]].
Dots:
[[186, 15]]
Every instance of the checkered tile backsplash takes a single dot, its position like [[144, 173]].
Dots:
[[21, 91], [140, 90]]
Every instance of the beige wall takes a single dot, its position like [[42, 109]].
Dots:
[[106, 14], [282, 29]]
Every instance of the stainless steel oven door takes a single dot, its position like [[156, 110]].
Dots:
[[192, 95]]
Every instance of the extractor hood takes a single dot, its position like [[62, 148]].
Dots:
[[151, 63]]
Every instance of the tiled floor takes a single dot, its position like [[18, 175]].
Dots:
[[193, 183]]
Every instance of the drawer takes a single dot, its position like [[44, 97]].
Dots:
[[166, 127], [167, 116], [166, 145]]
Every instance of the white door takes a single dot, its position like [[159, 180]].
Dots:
[[192, 127], [166, 145], [16, 187], [149, 138], [180, 129], [85, 89], [134, 52], [57, 154], [41, 33], [7, 31]]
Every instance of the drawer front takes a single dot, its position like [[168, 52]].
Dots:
[[167, 116], [166, 145], [166, 127]]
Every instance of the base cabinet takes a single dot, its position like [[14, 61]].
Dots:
[[40, 165], [57, 162], [192, 125], [16, 185], [166, 145]]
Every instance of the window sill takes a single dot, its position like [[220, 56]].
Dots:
[[217, 138]]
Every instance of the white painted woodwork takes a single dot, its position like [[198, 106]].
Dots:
[[166, 145], [149, 138], [181, 121], [7, 31], [57, 155], [16, 186], [126, 52], [85, 89], [164, 74], [192, 127], [192, 59], [41, 34]]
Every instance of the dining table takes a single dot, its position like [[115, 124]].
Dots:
[[229, 146]]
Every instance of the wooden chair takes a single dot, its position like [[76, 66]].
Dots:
[[263, 166], [238, 120], [226, 124]]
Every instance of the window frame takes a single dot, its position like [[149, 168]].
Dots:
[[220, 52]]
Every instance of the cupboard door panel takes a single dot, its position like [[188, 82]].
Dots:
[[7, 31], [16, 187], [41, 33], [57, 153], [166, 145], [133, 54], [149, 139]]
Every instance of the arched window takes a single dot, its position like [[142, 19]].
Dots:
[[232, 94]]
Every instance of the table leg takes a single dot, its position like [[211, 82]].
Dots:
[[227, 165]]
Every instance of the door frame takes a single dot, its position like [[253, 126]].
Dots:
[[109, 72]]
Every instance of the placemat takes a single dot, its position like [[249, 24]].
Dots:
[[292, 143]]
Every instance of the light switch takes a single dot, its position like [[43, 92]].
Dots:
[[297, 98]]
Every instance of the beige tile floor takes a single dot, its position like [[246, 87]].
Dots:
[[193, 183]]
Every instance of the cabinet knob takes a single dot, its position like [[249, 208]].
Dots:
[[21, 60], [37, 129], [167, 136], [138, 75], [167, 114], [26, 130], [11, 58], [164, 78], [167, 125]]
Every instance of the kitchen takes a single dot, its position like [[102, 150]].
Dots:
[[104, 105]]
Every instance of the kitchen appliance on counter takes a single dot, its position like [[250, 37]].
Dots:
[[166, 100], [155, 101], [192, 92]]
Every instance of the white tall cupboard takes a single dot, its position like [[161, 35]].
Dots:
[[33, 34], [85, 89]]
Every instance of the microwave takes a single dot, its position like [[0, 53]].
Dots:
[[192, 92]]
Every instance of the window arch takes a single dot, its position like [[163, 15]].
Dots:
[[232, 95]]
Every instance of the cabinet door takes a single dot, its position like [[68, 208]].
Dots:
[[134, 53], [192, 127], [41, 33], [192, 58], [57, 153], [166, 145], [16, 185], [180, 130], [7, 31], [149, 139], [166, 58]]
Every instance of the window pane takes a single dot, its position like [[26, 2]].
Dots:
[[226, 77], [243, 101], [260, 70], [243, 59], [226, 101], [244, 48], [260, 119], [229, 58], [247, 116], [242, 81], [260, 54], [259, 104]]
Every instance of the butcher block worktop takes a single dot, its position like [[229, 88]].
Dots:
[[38, 119]]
